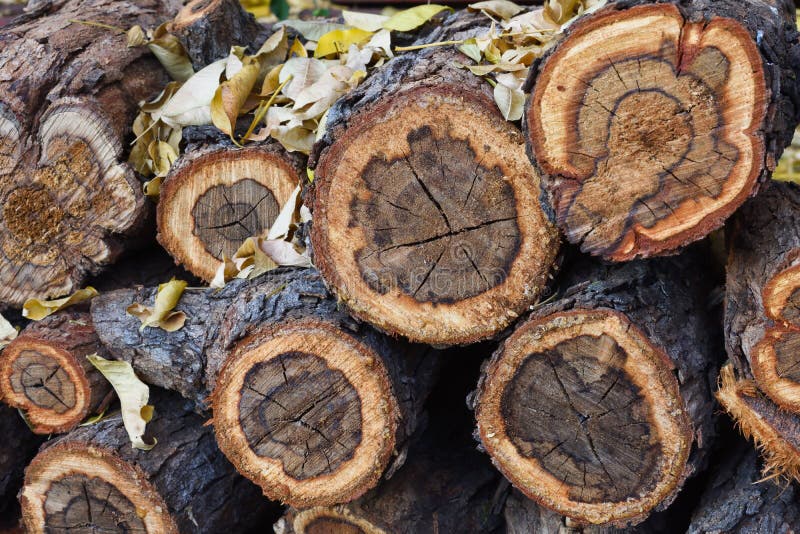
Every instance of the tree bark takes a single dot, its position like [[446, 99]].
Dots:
[[216, 196], [17, 447], [92, 479], [762, 312], [45, 372], [445, 486], [653, 121], [427, 222], [776, 432], [68, 95], [737, 500], [307, 403], [208, 29], [599, 406]]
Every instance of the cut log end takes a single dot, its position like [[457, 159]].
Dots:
[[304, 449], [605, 438], [70, 488], [648, 129], [47, 383], [214, 202], [781, 297], [58, 213], [775, 431], [44, 373], [331, 520], [438, 235], [194, 11]]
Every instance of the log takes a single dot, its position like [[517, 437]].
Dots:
[[307, 403], [444, 486], [68, 95], [737, 500], [45, 372], [599, 406], [426, 215], [17, 447], [762, 304], [653, 121], [216, 196], [776, 432], [208, 29], [92, 480]]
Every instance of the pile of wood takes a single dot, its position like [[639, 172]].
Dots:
[[331, 399]]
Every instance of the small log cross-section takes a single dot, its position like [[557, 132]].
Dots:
[[92, 480], [427, 222], [654, 121], [208, 29], [309, 404], [600, 405], [216, 197], [68, 92], [762, 312], [737, 500], [45, 373], [776, 432]]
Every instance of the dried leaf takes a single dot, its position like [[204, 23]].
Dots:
[[170, 53], [152, 188], [136, 36], [313, 30], [369, 22], [471, 49], [297, 49], [338, 41], [412, 18], [231, 96], [161, 315], [510, 101], [133, 395], [7, 332], [303, 72], [36, 309], [162, 155], [498, 8], [191, 104]]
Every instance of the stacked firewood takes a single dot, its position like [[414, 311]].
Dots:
[[563, 273]]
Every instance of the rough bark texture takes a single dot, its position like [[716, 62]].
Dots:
[[243, 318], [94, 479], [17, 447], [208, 29], [665, 125], [762, 325], [644, 431], [217, 195], [738, 500], [426, 215], [68, 93], [45, 372]]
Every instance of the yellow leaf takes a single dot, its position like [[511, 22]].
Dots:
[[369, 22], [133, 395], [36, 309], [297, 49], [163, 155], [499, 8], [161, 315], [7, 332], [136, 36], [471, 49], [231, 96], [510, 101], [338, 41], [153, 188], [170, 53], [310, 174], [412, 18]]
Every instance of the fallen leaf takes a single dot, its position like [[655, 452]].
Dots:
[[162, 155], [511, 102], [191, 104], [170, 53], [339, 41], [369, 22], [161, 315], [136, 36], [36, 309], [7, 332], [499, 8], [412, 18], [303, 71], [231, 96], [152, 188], [133, 395], [313, 30]]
